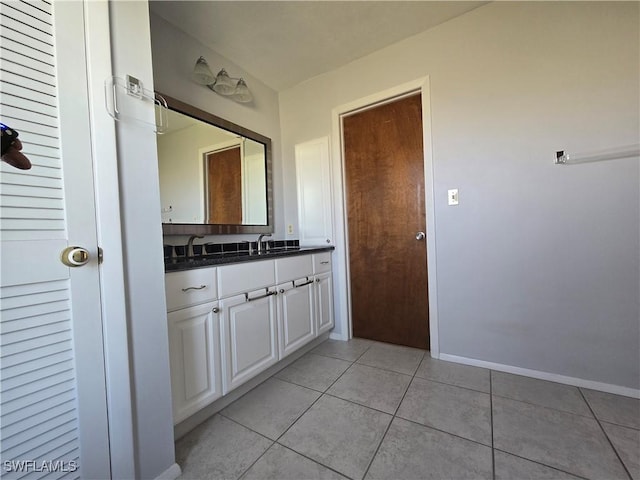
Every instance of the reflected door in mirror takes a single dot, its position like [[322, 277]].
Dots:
[[215, 176], [224, 186], [210, 175]]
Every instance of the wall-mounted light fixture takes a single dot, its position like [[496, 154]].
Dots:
[[223, 84]]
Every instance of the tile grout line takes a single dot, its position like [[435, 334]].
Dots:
[[615, 450], [541, 464], [393, 417], [253, 431], [299, 385], [544, 406], [276, 441], [441, 382], [281, 435], [386, 369], [493, 448], [322, 394], [314, 461], [443, 431], [289, 427], [547, 407], [256, 460]]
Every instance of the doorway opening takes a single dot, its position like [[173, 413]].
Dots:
[[342, 273], [386, 218]]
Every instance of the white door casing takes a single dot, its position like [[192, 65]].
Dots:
[[342, 301], [53, 376]]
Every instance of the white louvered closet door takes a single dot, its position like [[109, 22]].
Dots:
[[52, 386]]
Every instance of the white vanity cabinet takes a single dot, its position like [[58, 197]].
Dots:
[[323, 292], [194, 340], [296, 304], [248, 323], [229, 323]]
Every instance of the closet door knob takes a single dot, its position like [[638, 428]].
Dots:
[[74, 256]]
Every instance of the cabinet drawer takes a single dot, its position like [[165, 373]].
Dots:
[[292, 268], [244, 277], [190, 287], [322, 262]]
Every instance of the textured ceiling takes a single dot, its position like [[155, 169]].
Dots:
[[284, 43]]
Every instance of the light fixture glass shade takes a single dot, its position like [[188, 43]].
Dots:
[[224, 85], [202, 74], [242, 93]]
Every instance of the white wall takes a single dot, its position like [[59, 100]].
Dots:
[[181, 170], [174, 56], [538, 267], [142, 249]]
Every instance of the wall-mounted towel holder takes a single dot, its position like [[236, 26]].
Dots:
[[119, 94], [628, 151]]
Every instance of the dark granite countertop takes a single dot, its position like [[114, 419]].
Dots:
[[216, 259]]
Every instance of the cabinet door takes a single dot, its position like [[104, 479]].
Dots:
[[324, 302], [313, 178], [194, 340], [249, 336], [296, 322]]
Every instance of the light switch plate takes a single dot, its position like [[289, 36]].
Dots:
[[452, 196]]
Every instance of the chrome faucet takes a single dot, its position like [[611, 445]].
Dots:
[[262, 235], [190, 245]]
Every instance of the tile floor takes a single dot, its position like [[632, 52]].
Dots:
[[362, 409]]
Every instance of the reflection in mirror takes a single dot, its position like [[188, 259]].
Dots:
[[215, 177]]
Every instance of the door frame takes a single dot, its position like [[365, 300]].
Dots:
[[117, 349], [342, 295]]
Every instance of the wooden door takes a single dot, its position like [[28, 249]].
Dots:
[[384, 177], [224, 190]]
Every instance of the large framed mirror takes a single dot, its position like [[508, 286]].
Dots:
[[215, 176]]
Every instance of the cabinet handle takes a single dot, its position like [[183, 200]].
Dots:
[[317, 280], [194, 288], [215, 310], [308, 282], [282, 290], [268, 294], [326, 262]]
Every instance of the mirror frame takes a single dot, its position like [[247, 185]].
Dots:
[[222, 229]]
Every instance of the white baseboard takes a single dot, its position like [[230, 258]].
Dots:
[[338, 336], [170, 473], [552, 377]]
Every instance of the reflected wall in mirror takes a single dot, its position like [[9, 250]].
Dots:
[[215, 176]]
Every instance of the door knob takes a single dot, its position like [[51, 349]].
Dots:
[[420, 236], [74, 256]]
